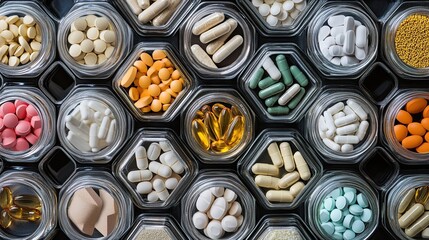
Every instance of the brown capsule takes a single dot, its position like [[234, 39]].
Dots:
[[217, 108], [225, 118], [27, 201], [200, 134], [5, 219], [24, 213], [220, 146], [422, 195], [212, 125], [6, 197], [235, 131], [206, 108]]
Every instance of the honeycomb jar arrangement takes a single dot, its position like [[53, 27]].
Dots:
[[150, 143]]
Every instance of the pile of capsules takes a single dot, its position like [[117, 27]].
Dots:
[[18, 208], [155, 12], [344, 41], [342, 126], [168, 171], [280, 97], [413, 214], [287, 188], [218, 128], [280, 12], [214, 32], [218, 212]]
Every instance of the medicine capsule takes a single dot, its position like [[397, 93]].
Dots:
[[297, 99], [301, 166], [271, 90], [220, 146], [406, 200], [287, 156], [27, 201], [418, 226], [139, 175], [6, 197], [279, 196], [217, 108], [257, 76], [299, 76], [289, 179], [235, 131], [24, 213], [275, 155], [411, 215], [271, 101], [278, 110], [296, 188], [267, 181], [200, 134], [225, 118], [5, 219], [235, 111], [266, 82], [284, 69], [207, 22], [265, 169], [212, 126]]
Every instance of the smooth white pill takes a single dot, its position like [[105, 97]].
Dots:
[[348, 129], [272, 20], [153, 151], [104, 128], [322, 124], [171, 183], [257, 3], [302, 166], [336, 20], [347, 139], [275, 155], [349, 60], [336, 51], [153, 10], [348, 110], [276, 8], [229, 223], [325, 53], [200, 220], [361, 132], [229, 195], [301, 6], [339, 39], [345, 148], [93, 139], [329, 41], [331, 144], [357, 109], [152, 196], [335, 31], [228, 48], [361, 36], [204, 201], [217, 191], [271, 69], [338, 115], [349, 24], [215, 32], [324, 32], [360, 53], [219, 208], [139, 175], [215, 230], [264, 10], [329, 120], [336, 61], [288, 5], [346, 120], [144, 188], [336, 108], [207, 22], [349, 42], [165, 146], [160, 169], [289, 94], [235, 209], [112, 132]]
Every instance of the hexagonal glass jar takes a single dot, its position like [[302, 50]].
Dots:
[[359, 12], [128, 162], [219, 178], [284, 225], [70, 109], [229, 98], [293, 57], [46, 111], [27, 182], [162, 225], [48, 33], [328, 98], [258, 153], [123, 43], [180, 100]]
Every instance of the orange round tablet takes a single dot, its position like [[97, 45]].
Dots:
[[144, 82], [154, 90], [426, 112], [425, 123], [412, 141], [427, 137], [158, 54], [416, 105], [404, 117], [140, 66], [424, 148], [165, 98], [164, 74], [416, 128], [175, 75], [156, 105], [401, 132], [176, 86], [147, 59]]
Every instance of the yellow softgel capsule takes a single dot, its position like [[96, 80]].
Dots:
[[24, 213], [6, 197], [27, 201], [200, 134], [225, 118], [5, 219], [220, 146], [235, 131], [212, 125], [217, 108]]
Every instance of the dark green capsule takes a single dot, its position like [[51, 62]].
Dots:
[[257, 76], [299, 76], [284, 69], [271, 101], [272, 90], [266, 82], [297, 99], [278, 110]]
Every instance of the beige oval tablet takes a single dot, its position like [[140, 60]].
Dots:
[[109, 51], [8, 35], [2, 41], [90, 19], [14, 29], [3, 25], [24, 44], [31, 32], [12, 48], [3, 50], [101, 58], [75, 50], [22, 30], [76, 37], [28, 20], [19, 51], [5, 60], [101, 23], [34, 55], [25, 58], [108, 36], [87, 46], [99, 46], [92, 33], [14, 61], [90, 59], [12, 19], [36, 46], [80, 24]]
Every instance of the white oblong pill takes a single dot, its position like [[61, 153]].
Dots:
[[361, 36], [349, 24], [336, 61], [302, 166], [93, 139], [218, 43], [348, 129], [336, 20], [287, 156], [153, 151], [165, 146], [141, 158], [229, 223], [219, 208], [325, 52], [204, 201], [361, 132], [336, 51], [357, 109], [335, 31], [331, 144], [215, 32], [152, 196], [329, 41], [153, 10], [289, 94], [202, 56], [139, 175], [235, 209], [144, 188], [229, 195], [207, 22], [349, 60], [200, 220], [347, 139], [360, 53], [339, 39], [215, 230], [217, 191], [158, 185], [324, 32], [171, 183], [338, 115], [346, 120], [275, 154], [228, 48], [271, 68], [112, 132], [349, 42], [345, 148], [335, 108], [104, 128]]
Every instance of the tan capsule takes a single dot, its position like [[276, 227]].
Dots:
[[215, 32], [267, 181], [289, 179], [418, 226], [301, 166], [202, 56], [154, 10], [279, 196], [228, 49], [274, 152], [406, 200], [207, 22], [287, 155], [296, 188], [411, 215], [265, 169], [218, 43]]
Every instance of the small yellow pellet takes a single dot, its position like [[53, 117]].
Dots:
[[143, 102], [129, 76], [155, 79], [158, 65], [163, 86], [146, 109], [167, 62], [175, 75], [144, 82], [154, 90]]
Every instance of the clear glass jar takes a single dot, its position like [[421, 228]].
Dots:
[[124, 126], [273, 222], [157, 222], [123, 43], [47, 52], [220, 178], [180, 101], [358, 12], [168, 29], [328, 98], [291, 52], [333, 180], [258, 154], [97, 180], [388, 36], [24, 181], [46, 112], [211, 96], [127, 163], [394, 196], [399, 101], [245, 29]]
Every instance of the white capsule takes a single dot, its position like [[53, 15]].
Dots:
[[325, 53], [216, 32], [208, 22], [219, 208], [264, 10], [160, 169], [228, 48], [78, 142], [153, 151], [336, 61], [348, 129], [349, 24], [361, 36], [144, 188], [229, 195], [347, 110], [357, 109], [271, 69], [170, 159], [329, 123], [324, 32], [215, 230], [200, 220], [322, 124], [339, 39], [204, 201], [104, 128], [329, 41], [153, 10], [335, 31], [294, 14], [139, 175], [347, 139], [135, 8], [84, 110], [289, 94], [217, 191], [286, 153], [336, 20], [229, 223], [218, 43], [112, 132], [349, 60], [349, 42], [335, 108], [346, 120], [143, 3], [275, 155], [159, 187], [93, 139], [345, 148], [152, 196], [361, 132], [336, 51], [302, 166], [360, 53], [331, 144], [338, 115], [235, 209]]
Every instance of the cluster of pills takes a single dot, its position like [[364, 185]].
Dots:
[[218, 212], [413, 212], [91, 40], [20, 125], [20, 40], [278, 90], [89, 210], [215, 32], [18, 207], [161, 175], [288, 187], [342, 126], [280, 12], [155, 12], [412, 126], [218, 128], [344, 41], [153, 82], [91, 126], [345, 213]]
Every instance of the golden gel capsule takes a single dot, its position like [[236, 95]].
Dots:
[[206, 108], [5, 219], [235, 111], [200, 134], [24, 213], [220, 146], [27, 201], [235, 131], [199, 115], [217, 108], [225, 118], [212, 125], [422, 195], [6, 198]]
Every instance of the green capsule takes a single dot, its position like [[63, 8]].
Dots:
[[272, 90], [257, 76], [278, 110], [271, 101], [299, 76], [266, 82], [297, 99], [284, 69]]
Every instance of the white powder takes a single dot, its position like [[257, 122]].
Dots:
[[283, 234], [153, 234]]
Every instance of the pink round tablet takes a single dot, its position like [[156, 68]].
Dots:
[[21, 144], [1, 124], [23, 128], [10, 120], [36, 122], [21, 111], [31, 138], [20, 102], [7, 107], [37, 132], [9, 138], [31, 111]]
